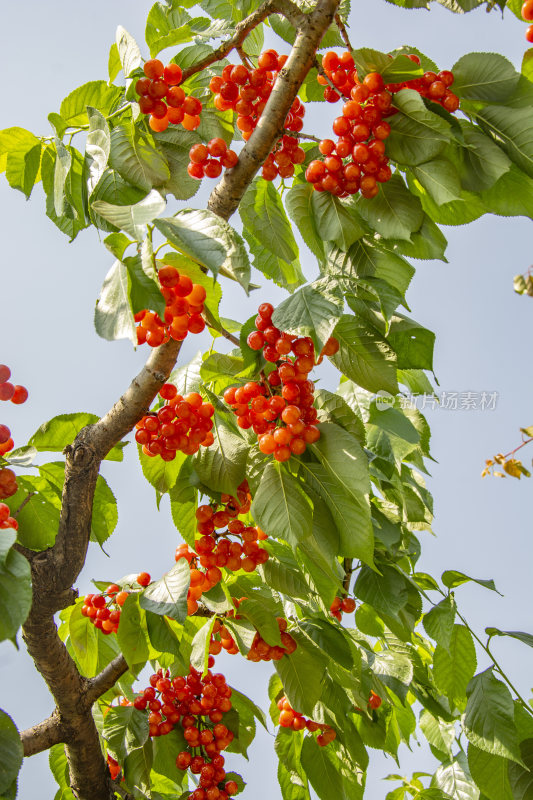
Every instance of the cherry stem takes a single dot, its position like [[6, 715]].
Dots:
[[26, 500], [226, 334]]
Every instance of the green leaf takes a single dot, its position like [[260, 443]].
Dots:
[[54, 435], [320, 770], [284, 274], [299, 202], [336, 221], [128, 51], [163, 633], [521, 778], [137, 767], [133, 156], [15, 590], [96, 94], [208, 240], [387, 593], [282, 574], [452, 578], [175, 146], [183, 503], [39, 518], [301, 674], [200, 646], [440, 179], [291, 775], [262, 211], [11, 749], [364, 356], [394, 213], [132, 219], [222, 466], [113, 317], [125, 729], [439, 622], [343, 458], [113, 62], [455, 780], [511, 129], [488, 77], [489, 719], [20, 157], [440, 734], [311, 311], [131, 635], [412, 343], [328, 637], [84, 641], [166, 25], [491, 773], [144, 290], [333, 408], [526, 638], [280, 506], [453, 667], [417, 135], [263, 617], [168, 596], [105, 514], [97, 147], [482, 162], [162, 475]]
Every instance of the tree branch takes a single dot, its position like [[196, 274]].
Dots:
[[105, 680], [43, 735], [228, 193], [285, 7], [55, 570]]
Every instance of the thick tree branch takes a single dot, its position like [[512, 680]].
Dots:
[[285, 7], [43, 735], [228, 193]]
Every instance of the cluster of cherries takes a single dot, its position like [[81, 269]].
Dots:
[[103, 610], [342, 605], [181, 424], [183, 313], [356, 162], [214, 548], [527, 15], [246, 91], [18, 395], [197, 705], [289, 718], [161, 96], [208, 160], [286, 396], [8, 480], [260, 650]]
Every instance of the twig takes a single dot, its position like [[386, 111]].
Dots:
[[43, 735], [105, 680], [348, 572], [285, 7], [226, 334], [26, 500], [343, 32]]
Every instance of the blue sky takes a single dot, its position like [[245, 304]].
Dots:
[[483, 330]]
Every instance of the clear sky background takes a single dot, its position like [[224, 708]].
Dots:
[[49, 288]]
